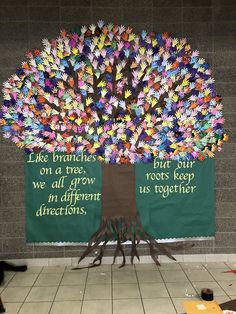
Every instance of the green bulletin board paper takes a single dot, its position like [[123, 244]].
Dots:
[[189, 208], [53, 215], [71, 221]]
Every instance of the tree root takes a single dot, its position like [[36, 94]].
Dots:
[[122, 230]]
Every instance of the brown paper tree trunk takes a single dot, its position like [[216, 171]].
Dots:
[[118, 191], [120, 218]]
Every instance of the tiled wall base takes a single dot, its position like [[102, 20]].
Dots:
[[67, 261]]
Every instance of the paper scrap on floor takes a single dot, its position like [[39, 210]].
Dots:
[[202, 307]]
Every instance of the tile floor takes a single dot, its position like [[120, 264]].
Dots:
[[139, 289]]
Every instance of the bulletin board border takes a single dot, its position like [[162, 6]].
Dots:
[[170, 240]]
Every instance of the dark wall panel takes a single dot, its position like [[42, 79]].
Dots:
[[209, 26]]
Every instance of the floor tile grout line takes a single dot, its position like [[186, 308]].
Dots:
[[224, 280], [140, 291], [30, 290], [197, 294], [85, 284], [57, 290], [226, 263], [168, 292], [223, 289], [217, 281], [208, 269], [112, 303], [192, 281], [136, 271], [6, 285]]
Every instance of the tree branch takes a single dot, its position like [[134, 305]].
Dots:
[[75, 78], [52, 105], [161, 102]]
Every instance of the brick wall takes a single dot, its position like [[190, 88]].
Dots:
[[210, 27]]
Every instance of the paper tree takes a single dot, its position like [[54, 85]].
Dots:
[[124, 97]]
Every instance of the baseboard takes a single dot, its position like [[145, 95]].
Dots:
[[72, 261]]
